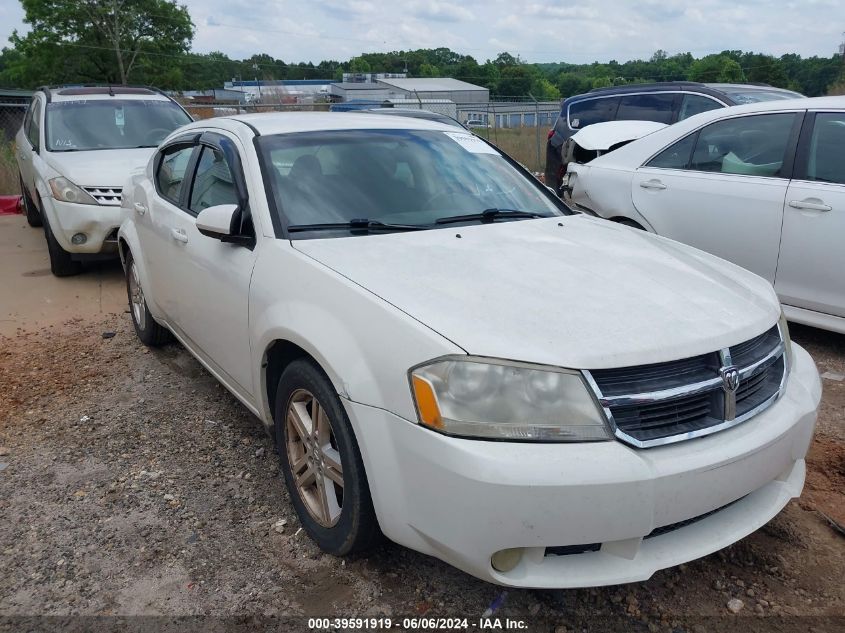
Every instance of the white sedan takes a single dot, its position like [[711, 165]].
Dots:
[[761, 185], [445, 355]]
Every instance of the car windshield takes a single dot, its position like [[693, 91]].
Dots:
[[74, 126], [399, 178], [756, 95]]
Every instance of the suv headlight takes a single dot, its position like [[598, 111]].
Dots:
[[64, 190], [505, 400]]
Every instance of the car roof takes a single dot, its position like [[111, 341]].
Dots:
[[414, 114], [291, 122], [721, 90], [102, 93]]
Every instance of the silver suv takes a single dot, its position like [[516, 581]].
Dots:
[[75, 148]]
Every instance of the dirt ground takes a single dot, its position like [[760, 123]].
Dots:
[[132, 484]]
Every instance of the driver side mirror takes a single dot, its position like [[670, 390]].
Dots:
[[218, 222]]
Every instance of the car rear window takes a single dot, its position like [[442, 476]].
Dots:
[[589, 111], [756, 95]]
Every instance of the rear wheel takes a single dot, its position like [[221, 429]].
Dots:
[[146, 327], [61, 262], [33, 215], [322, 465]]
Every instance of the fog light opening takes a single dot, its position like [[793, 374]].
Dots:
[[506, 559], [79, 238]]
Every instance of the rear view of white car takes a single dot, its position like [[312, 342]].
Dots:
[[75, 149], [761, 185]]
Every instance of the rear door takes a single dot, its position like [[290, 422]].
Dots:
[[811, 269], [722, 188]]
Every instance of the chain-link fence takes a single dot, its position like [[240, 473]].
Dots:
[[519, 128], [11, 119]]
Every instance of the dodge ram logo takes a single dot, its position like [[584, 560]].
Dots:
[[730, 378]]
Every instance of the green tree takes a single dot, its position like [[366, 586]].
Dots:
[[100, 40], [544, 90], [716, 68]]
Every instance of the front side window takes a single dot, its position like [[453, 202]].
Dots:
[[589, 111], [213, 183], [74, 126], [751, 145], [170, 175], [826, 160], [696, 104], [33, 133], [646, 107], [422, 178]]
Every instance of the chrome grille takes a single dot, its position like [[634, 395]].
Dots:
[[108, 196], [651, 405]]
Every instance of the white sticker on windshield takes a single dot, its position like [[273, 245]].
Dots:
[[119, 119], [471, 143]]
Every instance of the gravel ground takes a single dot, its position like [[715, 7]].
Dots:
[[132, 484]]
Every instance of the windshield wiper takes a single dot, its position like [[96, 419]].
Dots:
[[362, 224], [489, 215]]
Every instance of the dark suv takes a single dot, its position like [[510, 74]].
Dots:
[[667, 102]]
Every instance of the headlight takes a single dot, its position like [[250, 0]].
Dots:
[[787, 340], [493, 399], [64, 190]]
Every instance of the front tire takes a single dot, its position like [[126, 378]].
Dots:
[[33, 215], [146, 327], [61, 262], [321, 462]]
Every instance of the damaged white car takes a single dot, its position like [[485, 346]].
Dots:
[[761, 185]]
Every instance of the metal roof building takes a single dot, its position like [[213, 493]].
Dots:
[[439, 88]]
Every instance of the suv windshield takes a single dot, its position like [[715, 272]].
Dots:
[[74, 126], [400, 178]]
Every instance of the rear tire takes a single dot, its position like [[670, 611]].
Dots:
[[321, 462], [61, 262], [146, 327], [33, 215]]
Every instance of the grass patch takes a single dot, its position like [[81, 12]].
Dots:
[[519, 143], [9, 184]]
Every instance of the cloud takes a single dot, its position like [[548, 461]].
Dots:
[[439, 11]]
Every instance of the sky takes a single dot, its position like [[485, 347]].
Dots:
[[576, 32]]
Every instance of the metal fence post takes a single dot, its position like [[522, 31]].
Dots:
[[537, 125]]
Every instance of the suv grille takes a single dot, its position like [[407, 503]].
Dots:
[[650, 405], [109, 196]]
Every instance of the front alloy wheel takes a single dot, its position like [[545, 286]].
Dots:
[[146, 327], [322, 465], [314, 459]]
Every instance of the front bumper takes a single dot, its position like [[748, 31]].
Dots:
[[99, 224], [463, 500]]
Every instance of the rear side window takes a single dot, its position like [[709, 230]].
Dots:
[[750, 145], [646, 107], [826, 162], [170, 175], [676, 156], [696, 104], [589, 111], [213, 183]]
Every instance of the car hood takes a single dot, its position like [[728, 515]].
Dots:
[[569, 291], [602, 136], [101, 168]]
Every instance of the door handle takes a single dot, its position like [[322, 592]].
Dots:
[[140, 207], [652, 184], [179, 235], [814, 204]]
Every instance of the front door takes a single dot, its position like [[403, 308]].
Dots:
[[722, 189], [812, 257], [211, 278]]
